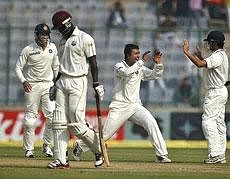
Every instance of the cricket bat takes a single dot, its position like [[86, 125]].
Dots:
[[102, 142]]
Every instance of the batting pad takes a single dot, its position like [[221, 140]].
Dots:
[[89, 137], [59, 121], [61, 138], [82, 145]]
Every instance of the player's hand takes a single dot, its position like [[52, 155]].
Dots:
[[185, 46], [198, 52], [157, 56], [27, 87], [99, 90], [52, 93], [145, 56]]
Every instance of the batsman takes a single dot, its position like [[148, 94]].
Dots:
[[79, 53], [126, 103]]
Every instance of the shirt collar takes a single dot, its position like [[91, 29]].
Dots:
[[39, 47], [76, 31], [218, 50], [125, 63]]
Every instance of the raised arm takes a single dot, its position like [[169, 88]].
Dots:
[[196, 58], [124, 71], [158, 69]]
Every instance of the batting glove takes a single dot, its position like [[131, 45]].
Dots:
[[100, 91], [52, 93]]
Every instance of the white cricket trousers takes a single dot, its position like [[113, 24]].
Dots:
[[69, 114], [140, 116], [36, 98], [213, 123]]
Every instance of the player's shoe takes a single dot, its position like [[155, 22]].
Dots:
[[77, 151], [163, 159], [29, 154], [56, 164], [99, 160], [216, 159], [67, 156], [47, 150]]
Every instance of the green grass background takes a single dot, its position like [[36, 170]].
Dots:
[[125, 163]]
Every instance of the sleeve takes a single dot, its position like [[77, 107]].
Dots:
[[123, 71], [55, 63], [20, 65], [156, 73], [213, 61], [89, 44]]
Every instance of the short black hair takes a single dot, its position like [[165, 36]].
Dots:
[[128, 49], [220, 45]]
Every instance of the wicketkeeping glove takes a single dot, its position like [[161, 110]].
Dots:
[[52, 93]]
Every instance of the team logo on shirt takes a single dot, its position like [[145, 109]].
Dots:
[[50, 50], [73, 43], [34, 53]]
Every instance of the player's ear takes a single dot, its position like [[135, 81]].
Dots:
[[128, 56]]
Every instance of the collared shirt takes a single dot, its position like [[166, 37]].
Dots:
[[35, 64], [217, 69], [128, 79], [77, 49]]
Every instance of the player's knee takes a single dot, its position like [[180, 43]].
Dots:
[[79, 129], [79, 115], [205, 120], [30, 119], [89, 137], [49, 115], [204, 123], [207, 126]]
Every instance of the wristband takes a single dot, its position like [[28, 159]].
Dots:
[[95, 84]]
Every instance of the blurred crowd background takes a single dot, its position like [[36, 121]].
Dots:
[[161, 24]]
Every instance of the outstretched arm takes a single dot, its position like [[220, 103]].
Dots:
[[196, 58], [123, 71]]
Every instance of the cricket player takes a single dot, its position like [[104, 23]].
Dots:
[[126, 103], [213, 123], [79, 53], [36, 68]]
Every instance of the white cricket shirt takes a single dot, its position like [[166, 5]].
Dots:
[[128, 79], [78, 48], [217, 69], [36, 65]]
